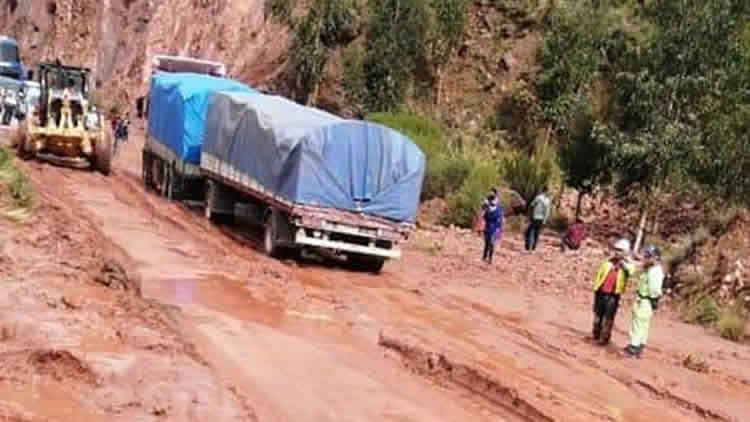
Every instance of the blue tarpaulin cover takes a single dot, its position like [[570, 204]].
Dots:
[[177, 109], [308, 156]]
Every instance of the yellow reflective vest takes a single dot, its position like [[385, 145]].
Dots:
[[626, 269]]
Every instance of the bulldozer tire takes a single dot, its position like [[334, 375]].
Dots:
[[103, 155], [17, 136], [26, 147]]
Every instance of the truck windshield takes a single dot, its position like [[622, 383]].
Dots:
[[8, 53]]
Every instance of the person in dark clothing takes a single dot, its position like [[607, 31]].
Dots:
[[574, 236], [540, 210], [493, 224], [609, 284]]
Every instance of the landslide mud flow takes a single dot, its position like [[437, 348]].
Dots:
[[437, 336]]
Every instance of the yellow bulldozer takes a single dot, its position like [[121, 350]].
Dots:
[[64, 127]]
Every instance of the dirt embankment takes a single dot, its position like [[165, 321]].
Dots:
[[118, 38], [77, 340]]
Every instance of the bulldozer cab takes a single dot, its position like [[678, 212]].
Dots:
[[62, 85]]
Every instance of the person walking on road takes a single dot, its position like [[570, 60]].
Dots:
[[609, 284], [493, 224], [540, 208], [648, 292]]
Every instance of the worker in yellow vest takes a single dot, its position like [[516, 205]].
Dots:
[[648, 292], [609, 284]]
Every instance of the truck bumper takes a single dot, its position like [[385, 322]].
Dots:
[[301, 238]]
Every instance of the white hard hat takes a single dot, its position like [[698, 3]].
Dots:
[[622, 245]]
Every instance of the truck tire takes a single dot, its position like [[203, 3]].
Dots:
[[364, 263], [208, 207], [26, 148], [103, 154], [271, 235], [170, 181], [148, 181]]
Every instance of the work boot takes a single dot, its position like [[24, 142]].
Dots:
[[606, 331], [633, 351], [597, 330]]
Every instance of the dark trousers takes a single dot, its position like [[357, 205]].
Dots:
[[605, 309], [489, 246], [532, 234]]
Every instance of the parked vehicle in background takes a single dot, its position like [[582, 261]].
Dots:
[[10, 59], [311, 179], [179, 64]]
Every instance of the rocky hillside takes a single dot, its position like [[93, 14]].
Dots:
[[116, 38]]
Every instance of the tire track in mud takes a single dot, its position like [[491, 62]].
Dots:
[[444, 371], [539, 345]]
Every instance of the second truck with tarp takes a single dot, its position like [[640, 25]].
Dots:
[[311, 179], [176, 116]]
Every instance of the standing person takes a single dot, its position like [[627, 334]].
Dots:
[[574, 236], [493, 224], [540, 208], [609, 284], [648, 292]]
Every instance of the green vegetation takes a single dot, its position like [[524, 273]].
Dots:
[[465, 202], [731, 324], [704, 312], [19, 200]]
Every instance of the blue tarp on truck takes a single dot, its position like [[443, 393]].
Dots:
[[178, 106], [311, 157]]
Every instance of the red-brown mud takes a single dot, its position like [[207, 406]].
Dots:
[[437, 336]]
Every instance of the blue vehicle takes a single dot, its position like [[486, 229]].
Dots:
[[10, 59]]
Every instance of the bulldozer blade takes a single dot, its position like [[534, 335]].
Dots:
[[76, 162]]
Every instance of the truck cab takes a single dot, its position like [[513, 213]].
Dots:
[[10, 59]]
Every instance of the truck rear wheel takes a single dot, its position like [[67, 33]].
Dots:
[[270, 235], [148, 181], [103, 154], [210, 193]]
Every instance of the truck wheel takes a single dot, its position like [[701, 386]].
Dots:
[[270, 235], [103, 154], [148, 181], [164, 178], [364, 263], [209, 200], [170, 182]]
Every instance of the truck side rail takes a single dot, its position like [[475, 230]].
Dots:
[[306, 215], [165, 153]]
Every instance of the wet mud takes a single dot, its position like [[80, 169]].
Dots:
[[437, 336]]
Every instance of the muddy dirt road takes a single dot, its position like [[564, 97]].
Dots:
[[437, 336]]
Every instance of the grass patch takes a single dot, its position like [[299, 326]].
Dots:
[[15, 193], [731, 324], [706, 311], [464, 203]]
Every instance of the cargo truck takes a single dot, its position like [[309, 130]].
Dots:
[[311, 179], [172, 148]]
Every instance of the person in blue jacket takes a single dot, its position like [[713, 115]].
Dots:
[[493, 224]]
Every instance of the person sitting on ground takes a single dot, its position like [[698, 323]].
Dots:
[[574, 236]]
